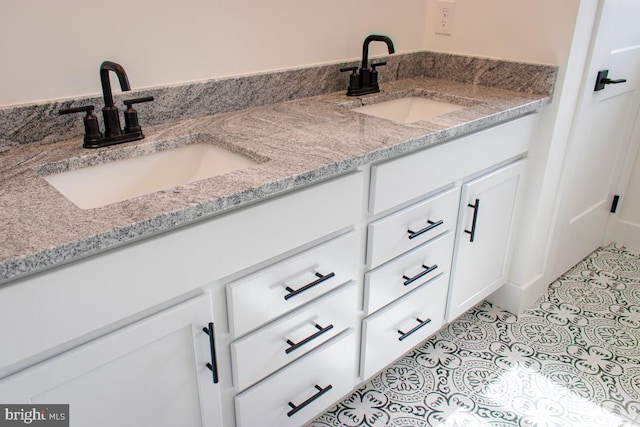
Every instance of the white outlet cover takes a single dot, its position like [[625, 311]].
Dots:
[[446, 11]]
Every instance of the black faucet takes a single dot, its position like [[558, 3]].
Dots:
[[109, 112], [366, 81], [113, 133]]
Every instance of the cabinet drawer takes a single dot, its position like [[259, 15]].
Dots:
[[276, 290], [406, 178], [382, 340], [411, 227], [266, 350], [404, 274], [301, 385]]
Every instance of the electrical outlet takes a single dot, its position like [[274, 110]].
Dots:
[[444, 19]]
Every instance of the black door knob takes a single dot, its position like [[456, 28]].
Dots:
[[602, 80]]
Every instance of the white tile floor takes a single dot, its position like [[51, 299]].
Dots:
[[573, 359]]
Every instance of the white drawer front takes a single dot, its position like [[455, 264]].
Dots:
[[382, 343], [402, 275], [408, 177], [270, 293], [266, 350], [270, 403], [405, 230]]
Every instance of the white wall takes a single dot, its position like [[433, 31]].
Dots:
[[52, 49], [520, 30]]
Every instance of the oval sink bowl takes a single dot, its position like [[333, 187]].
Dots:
[[103, 184], [410, 109]]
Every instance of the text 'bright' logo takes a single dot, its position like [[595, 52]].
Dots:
[[36, 415], [26, 416]]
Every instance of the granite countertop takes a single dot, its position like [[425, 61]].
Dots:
[[294, 143]]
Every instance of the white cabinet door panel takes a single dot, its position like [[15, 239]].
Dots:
[[152, 373], [480, 265]]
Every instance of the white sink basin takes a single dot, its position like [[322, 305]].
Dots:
[[107, 183], [410, 109]]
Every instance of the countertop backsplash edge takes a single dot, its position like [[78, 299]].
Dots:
[[41, 123]]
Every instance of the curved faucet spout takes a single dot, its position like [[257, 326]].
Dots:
[[365, 47], [105, 67], [109, 112]]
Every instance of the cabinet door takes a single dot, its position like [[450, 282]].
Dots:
[[151, 373], [486, 216]]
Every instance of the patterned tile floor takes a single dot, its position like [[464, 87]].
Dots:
[[573, 359]]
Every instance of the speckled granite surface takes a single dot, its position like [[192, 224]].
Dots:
[[25, 124], [298, 142]]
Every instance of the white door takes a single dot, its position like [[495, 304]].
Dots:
[[600, 136], [152, 373], [487, 207]]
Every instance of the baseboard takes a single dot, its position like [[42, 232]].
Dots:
[[627, 234], [516, 298]]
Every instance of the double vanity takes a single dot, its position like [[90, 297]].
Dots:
[[338, 234]]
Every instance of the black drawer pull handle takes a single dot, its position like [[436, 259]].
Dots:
[[421, 323], [427, 270], [431, 226], [213, 366], [292, 293], [476, 208], [296, 408], [295, 346]]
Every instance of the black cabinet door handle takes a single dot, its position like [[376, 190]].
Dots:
[[213, 366], [476, 208], [293, 292], [294, 346], [295, 408], [427, 270], [431, 226], [421, 323]]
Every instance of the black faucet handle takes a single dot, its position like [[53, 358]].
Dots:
[[352, 69], [131, 124], [87, 108], [377, 64], [130, 102], [354, 79], [91, 127]]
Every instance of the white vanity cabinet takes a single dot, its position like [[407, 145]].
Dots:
[[418, 205], [159, 371], [306, 306], [487, 209]]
